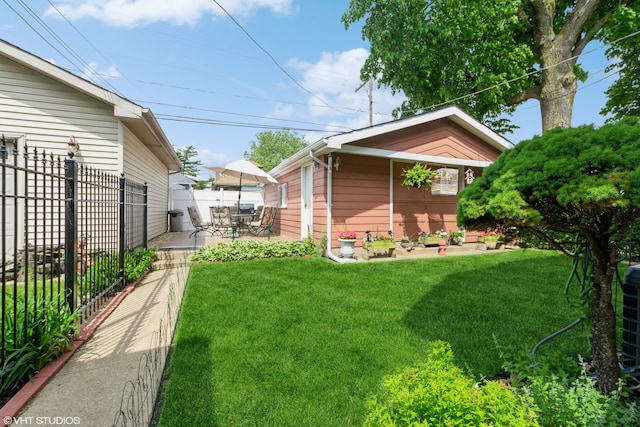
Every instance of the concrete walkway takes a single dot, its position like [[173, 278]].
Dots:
[[99, 382]]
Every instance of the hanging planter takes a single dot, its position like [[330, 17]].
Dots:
[[417, 176], [445, 182]]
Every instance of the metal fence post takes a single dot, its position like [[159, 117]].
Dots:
[[71, 232], [122, 214], [144, 216]]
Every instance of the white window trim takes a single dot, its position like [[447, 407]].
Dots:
[[282, 196]]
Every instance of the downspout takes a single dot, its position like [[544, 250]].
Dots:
[[329, 167]]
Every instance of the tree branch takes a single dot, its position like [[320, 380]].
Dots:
[[532, 92], [577, 19]]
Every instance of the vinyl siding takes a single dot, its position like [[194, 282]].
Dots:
[[418, 210], [48, 113], [142, 166], [287, 222]]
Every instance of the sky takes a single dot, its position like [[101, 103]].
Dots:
[[215, 73]]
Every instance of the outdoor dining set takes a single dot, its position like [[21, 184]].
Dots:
[[233, 221]]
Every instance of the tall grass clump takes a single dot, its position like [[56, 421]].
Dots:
[[33, 338]]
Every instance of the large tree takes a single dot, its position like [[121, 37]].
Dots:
[[272, 147], [190, 167], [485, 56], [624, 51], [579, 181]]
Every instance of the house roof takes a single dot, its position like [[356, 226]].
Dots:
[[140, 120], [342, 142]]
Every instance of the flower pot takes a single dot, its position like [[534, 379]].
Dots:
[[455, 241], [347, 248], [429, 240]]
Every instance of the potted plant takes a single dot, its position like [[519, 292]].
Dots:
[[417, 176], [432, 239], [347, 241], [490, 239], [456, 237], [379, 242]]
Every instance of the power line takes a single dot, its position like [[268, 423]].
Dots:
[[142, 102], [55, 36], [188, 119], [272, 58]]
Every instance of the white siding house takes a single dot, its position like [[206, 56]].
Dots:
[[47, 107]]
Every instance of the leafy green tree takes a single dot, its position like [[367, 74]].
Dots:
[[623, 93], [190, 167], [580, 181], [485, 56], [272, 147], [204, 184]]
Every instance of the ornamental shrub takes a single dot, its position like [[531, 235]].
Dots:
[[566, 395], [245, 250], [137, 262], [438, 393]]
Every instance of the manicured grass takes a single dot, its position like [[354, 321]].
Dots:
[[303, 342]]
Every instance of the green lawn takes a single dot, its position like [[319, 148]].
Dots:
[[303, 342]]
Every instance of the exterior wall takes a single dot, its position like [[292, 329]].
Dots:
[[361, 196], [439, 138], [142, 166], [418, 210], [48, 113], [287, 222], [368, 194], [319, 203]]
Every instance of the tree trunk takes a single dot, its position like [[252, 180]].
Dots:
[[558, 86], [603, 329]]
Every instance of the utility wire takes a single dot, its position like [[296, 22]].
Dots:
[[186, 88], [272, 58], [55, 36], [187, 119], [90, 44], [240, 114]]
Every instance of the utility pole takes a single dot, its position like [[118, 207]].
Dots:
[[370, 98]]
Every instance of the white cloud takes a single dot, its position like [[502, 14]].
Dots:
[[92, 73], [210, 157], [335, 78], [132, 13]]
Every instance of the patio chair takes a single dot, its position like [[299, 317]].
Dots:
[[257, 214], [198, 223], [221, 220], [264, 222]]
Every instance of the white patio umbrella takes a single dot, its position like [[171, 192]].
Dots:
[[244, 169]]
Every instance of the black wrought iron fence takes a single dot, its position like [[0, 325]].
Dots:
[[66, 228]]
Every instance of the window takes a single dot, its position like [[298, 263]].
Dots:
[[282, 196]]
